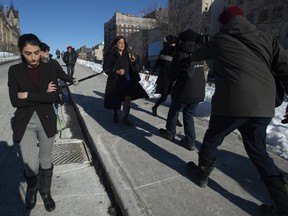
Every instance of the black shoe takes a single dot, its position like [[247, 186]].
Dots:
[[267, 210], [179, 124], [115, 120], [200, 174], [126, 121], [31, 193], [184, 144], [285, 120], [31, 198], [166, 134], [154, 111], [192, 170], [115, 116], [48, 201]]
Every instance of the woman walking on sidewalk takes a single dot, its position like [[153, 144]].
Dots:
[[123, 79], [32, 90]]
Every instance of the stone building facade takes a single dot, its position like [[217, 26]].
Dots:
[[202, 15], [9, 29], [125, 24]]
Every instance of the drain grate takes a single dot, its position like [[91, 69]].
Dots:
[[66, 153]]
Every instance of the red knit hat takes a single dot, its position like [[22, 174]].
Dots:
[[69, 47], [230, 12]]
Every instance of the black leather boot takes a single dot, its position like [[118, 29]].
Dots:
[[278, 190], [154, 110], [115, 116], [199, 174], [44, 188], [126, 110], [31, 193]]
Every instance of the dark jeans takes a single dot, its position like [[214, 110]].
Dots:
[[253, 131], [70, 70], [188, 120]]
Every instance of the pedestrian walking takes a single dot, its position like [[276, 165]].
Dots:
[[244, 99], [163, 82], [32, 91], [45, 56], [123, 79], [187, 91], [70, 58]]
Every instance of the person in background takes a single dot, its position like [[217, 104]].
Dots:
[[187, 91], [163, 82], [70, 58], [123, 79], [32, 91], [244, 99], [58, 53], [45, 56]]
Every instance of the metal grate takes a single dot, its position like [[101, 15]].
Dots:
[[66, 153]]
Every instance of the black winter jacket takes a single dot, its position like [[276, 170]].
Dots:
[[244, 85], [163, 82], [70, 58]]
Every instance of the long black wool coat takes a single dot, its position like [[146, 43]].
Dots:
[[114, 92]]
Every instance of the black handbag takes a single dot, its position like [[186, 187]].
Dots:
[[60, 99]]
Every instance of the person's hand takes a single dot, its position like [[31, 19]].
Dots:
[[76, 82], [22, 95], [51, 87], [120, 71]]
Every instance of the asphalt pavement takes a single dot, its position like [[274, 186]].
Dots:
[[148, 173]]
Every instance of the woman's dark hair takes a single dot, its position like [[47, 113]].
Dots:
[[28, 39], [115, 41]]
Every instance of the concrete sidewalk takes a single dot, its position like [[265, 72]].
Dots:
[[148, 173]]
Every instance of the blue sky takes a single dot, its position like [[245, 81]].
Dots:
[[60, 23]]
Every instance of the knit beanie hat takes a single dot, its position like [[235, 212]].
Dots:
[[170, 39], [229, 13], [44, 47], [188, 35]]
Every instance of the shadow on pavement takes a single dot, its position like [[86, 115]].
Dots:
[[244, 172], [12, 181]]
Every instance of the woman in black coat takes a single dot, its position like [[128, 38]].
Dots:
[[123, 79], [32, 90]]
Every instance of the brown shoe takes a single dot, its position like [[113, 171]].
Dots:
[[166, 134]]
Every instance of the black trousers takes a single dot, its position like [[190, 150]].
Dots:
[[253, 131]]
